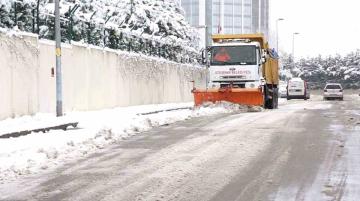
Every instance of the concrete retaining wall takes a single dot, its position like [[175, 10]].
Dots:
[[92, 78]]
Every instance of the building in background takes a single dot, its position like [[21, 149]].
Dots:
[[227, 16], [198, 14]]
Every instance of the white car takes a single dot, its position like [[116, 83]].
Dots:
[[297, 89], [333, 91]]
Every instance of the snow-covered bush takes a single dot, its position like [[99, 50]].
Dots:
[[320, 70], [153, 27]]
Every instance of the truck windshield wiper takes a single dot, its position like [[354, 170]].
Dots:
[[240, 63], [223, 63], [232, 63], [229, 63]]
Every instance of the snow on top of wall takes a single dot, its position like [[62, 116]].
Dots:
[[17, 33]]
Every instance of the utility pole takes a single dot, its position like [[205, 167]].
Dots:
[[38, 17], [208, 22], [293, 47], [205, 27], [242, 15], [260, 15], [59, 109], [132, 6], [221, 17]]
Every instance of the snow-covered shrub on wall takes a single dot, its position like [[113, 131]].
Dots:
[[153, 27]]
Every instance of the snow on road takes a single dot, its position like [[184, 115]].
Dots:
[[338, 177], [180, 171], [177, 170], [352, 150], [98, 129], [208, 154], [344, 179]]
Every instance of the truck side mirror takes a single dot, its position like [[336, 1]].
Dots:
[[203, 56], [263, 56], [263, 60]]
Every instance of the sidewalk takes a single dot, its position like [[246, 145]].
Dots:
[[96, 130]]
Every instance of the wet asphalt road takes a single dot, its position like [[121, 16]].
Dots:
[[306, 150]]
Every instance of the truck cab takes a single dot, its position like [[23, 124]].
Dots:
[[243, 70], [237, 63]]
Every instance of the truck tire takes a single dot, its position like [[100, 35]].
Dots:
[[270, 104], [267, 101], [271, 91]]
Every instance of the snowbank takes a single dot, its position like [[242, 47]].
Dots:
[[97, 129]]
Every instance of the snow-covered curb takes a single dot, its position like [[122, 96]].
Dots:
[[98, 129]]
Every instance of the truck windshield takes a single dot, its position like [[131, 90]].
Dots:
[[233, 55]]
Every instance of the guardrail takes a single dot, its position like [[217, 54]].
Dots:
[[38, 130]]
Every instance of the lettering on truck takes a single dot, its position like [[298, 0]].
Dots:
[[233, 72]]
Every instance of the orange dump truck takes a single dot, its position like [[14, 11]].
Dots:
[[242, 69]]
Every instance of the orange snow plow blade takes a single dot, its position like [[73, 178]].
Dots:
[[252, 97]]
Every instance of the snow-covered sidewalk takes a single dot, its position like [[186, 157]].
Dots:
[[96, 130]]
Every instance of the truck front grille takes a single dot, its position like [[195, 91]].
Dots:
[[233, 77]]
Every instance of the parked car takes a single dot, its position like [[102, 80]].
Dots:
[[298, 89], [282, 89], [333, 91]]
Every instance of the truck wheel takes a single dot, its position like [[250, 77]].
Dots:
[[271, 91], [270, 104]]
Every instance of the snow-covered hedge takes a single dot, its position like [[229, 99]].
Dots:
[[320, 70], [153, 27]]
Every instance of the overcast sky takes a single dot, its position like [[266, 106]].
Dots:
[[325, 26]]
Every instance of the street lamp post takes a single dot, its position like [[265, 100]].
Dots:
[[205, 27], [59, 109], [293, 47], [206, 45], [277, 33]]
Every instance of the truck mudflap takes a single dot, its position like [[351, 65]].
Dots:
[[251, 97]]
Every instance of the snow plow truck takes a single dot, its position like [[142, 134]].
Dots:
[[242, 69]]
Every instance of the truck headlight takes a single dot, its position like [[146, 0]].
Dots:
[[251, 85]]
